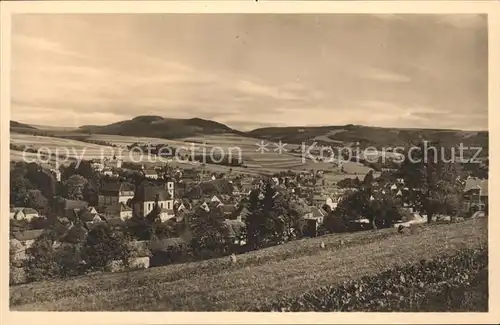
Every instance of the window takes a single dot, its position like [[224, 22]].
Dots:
[[161, 205], [168, 205]]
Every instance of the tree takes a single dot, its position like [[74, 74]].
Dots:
[[19, 187], [207, 230], [69, 261], [355, 205], [164, 229], [367, 181], [385, 210], [75, 187], [269, 219], [41, 260], [104, 245], [35, 200], [334, 222], [139, 228], [254, 220], [154, 215], [40, 223], [431, 180]]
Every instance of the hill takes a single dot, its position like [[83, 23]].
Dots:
[[258, 277], [17, 125], [152, 126], [369, 136], [159, 127]]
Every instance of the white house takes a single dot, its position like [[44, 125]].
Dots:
[[215, 199], [23, 214], [147, 196]]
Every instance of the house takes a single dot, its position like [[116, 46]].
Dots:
[[314, 219], [215, 199], [235, 189], [204, 206], [12, 212], [234, 231], [68, 208], [228, 210], [116, 162], [320, 200], [107, 171], [89, 215], [75, 234], [115, 222], [212, 205], [56, 173], [30, 213], [91, 224], [242, 214], [118, 210], [28, 237], [150, 173], [139, 258], [18, 251], [332, 202], [147, 196], [318, 214], [166, 251], [97, 165], [476, 194], [115, 192], [23, 214]]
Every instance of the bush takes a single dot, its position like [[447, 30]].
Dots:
[[17, 275], [335, 223], [440, 284], [41, 260]]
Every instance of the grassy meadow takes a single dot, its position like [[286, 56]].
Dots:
[[257, 278]]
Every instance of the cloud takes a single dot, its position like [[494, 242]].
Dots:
[[43, 45], [146, 65], [252, 88], [385, 76], [464, 20]]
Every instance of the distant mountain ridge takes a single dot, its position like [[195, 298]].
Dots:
[[160, 127], [15, 124], [341, 135]]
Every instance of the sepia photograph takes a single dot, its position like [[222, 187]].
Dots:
[[265, 162]]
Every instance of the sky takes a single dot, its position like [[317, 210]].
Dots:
[[252, 70]]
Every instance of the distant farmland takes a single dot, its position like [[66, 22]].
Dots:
[[267, 162]]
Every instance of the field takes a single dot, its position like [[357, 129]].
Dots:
[[267, 162], [257, 278]]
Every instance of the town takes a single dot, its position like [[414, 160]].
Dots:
[[159, 215]]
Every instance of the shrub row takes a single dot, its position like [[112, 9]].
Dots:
[[440, 284]]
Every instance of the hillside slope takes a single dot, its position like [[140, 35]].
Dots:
[[370, 136], [258, 277], [17, 125], [159, 127]]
